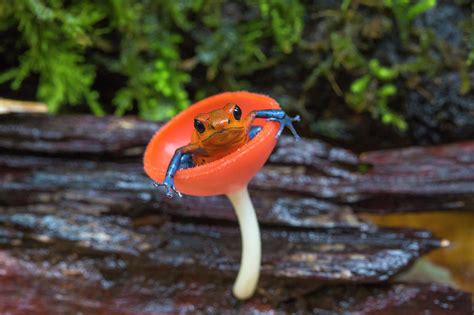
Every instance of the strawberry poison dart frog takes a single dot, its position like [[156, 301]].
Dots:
[[219, 133]]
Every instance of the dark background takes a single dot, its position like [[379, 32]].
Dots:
[[363, 74]]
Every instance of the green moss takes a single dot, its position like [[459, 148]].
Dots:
[[286, 19], [55, 40], [65, 42], [405, 11], [156, 57]]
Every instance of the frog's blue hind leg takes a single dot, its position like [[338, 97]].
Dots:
[[181, 159], [254, 130], [281, 117]]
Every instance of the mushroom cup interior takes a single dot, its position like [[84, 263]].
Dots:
[[227, 174]]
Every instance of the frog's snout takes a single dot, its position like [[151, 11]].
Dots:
[[220, 125]]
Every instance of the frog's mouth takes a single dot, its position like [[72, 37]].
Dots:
[[226, 137]]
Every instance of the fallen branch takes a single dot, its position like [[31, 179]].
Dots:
[[8, 106]]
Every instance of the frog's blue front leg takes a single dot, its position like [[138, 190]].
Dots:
[[179, 161], [254, 130], [281, 117]]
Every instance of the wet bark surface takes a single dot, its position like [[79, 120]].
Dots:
[[61, 282], [436, 178], [82, 229], [357, 254]]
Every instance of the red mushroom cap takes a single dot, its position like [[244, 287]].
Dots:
[[222, 176]]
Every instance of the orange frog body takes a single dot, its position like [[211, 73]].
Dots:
[[219, 133]]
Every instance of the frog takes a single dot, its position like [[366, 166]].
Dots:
[[219, 133]]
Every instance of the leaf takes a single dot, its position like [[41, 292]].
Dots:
[[380, 72], [419, 7], [387, 90], [8, 75], [345, 52], [360, 85]]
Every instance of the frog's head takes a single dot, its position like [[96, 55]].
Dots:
[[220, 128]]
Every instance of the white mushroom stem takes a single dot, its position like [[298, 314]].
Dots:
[[249, 272]]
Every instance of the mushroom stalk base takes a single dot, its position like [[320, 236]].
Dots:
[[246, 283]]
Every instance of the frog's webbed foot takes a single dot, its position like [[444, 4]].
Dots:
[[281, 117], [287, 121], [168, 183]]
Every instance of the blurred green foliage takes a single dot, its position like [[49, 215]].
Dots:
[[372, 91], [54, 41], [405, 11], [158, 56], [65, 43]]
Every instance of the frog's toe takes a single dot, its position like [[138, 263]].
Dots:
[[292, 128], [280, 130], [288, 122], [170, 189]]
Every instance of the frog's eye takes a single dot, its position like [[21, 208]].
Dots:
[[237, 112], [199, 126]]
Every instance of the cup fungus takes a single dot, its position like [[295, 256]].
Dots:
[[228, 176]]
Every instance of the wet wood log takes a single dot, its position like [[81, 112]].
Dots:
[[420, 179], [123, 188], [37, 284], [74, 134], [437, 178], [359, 254], [81, 219], [284, 194], [97, 206], [393, 299]]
